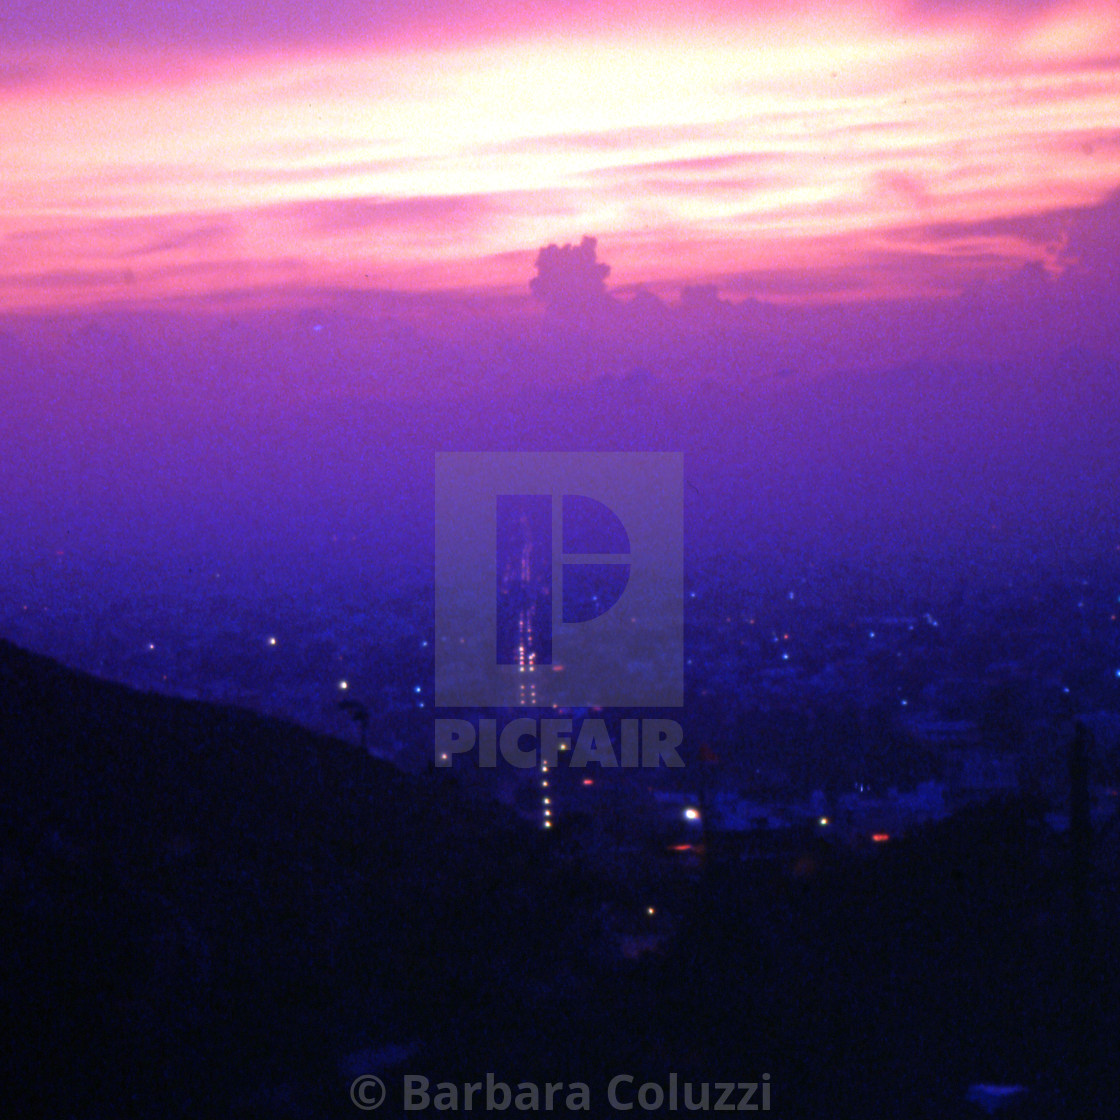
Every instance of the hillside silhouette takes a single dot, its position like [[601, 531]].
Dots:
[[208, 911], [213, 914]]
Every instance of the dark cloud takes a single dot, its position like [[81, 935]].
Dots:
[[77, 278], [145, 235], [947, 256], [216, 23], [452, 212], [1041, 228], [1012, 9], [213, 23], [346, 215], [1093, 238], [199, 237], [570, 280]]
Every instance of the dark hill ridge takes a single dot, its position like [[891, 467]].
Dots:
[[206, 907], [209, 914]]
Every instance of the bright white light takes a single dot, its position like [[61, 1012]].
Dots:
[[344, 685], [272, 641], [691, 814]]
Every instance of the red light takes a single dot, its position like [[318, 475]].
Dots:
[[880, 837], [588, 781], [680, 848]]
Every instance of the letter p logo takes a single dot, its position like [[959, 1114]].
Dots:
[[558, 579]]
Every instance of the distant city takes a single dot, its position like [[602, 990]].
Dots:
[[837, 700]]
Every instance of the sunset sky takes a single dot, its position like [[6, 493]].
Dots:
[[826, 149]]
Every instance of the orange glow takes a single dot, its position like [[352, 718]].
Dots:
[[696, 151], [880, 837]]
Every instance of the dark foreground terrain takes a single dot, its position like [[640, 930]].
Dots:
[[209, 914]]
